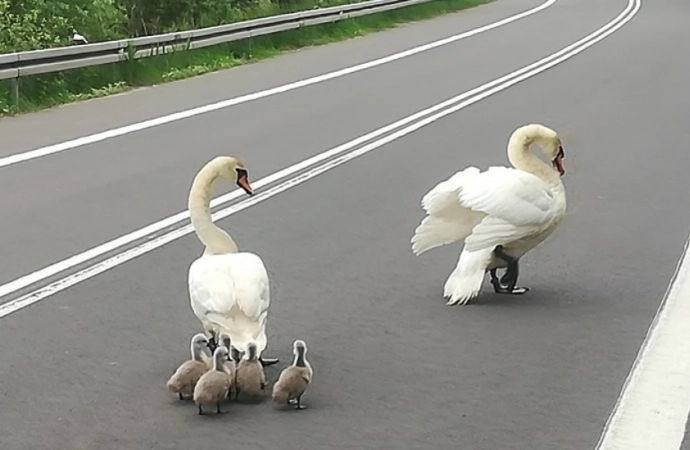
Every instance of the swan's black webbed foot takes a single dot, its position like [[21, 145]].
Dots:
[[500, 288], [507, 283], [268, 361]]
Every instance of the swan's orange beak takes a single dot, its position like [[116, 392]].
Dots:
[[558, 161], [243, 182]]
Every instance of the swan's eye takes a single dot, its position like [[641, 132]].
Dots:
[[561, 153], [241, 173]]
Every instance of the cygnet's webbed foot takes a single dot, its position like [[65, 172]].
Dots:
[[298, 404], [268, 361]]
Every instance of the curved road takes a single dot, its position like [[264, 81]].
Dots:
[[84, 366]]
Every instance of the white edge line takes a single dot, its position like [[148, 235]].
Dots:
[[97, 251], [618, 434], [121, 131], [33, 297]]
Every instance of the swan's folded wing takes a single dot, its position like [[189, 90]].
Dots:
[[218, 283], [211, 288], [252, 289], [517, 205]]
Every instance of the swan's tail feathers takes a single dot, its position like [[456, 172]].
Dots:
[[465, 282], [241, 329], [434, 232]]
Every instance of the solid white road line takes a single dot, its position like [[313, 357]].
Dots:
[[652, 410], [496, 86], [101, 136]]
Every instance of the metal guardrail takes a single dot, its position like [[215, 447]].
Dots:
[[22, 64]]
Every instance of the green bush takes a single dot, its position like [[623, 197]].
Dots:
[[50, 89], [37, 24]]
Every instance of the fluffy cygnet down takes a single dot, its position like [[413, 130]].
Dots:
[[250, 374], [214, 385], [186, 376], [295, 379]]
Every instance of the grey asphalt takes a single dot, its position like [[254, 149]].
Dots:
[[395, 367]]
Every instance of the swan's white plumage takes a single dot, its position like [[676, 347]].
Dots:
[[229, 290], [499, 206], [231, 293]]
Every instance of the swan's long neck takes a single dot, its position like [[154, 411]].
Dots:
[[522, 158], [213, 237]]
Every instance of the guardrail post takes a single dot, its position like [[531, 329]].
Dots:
[[14, 91]]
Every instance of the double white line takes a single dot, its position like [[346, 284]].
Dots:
[[309, 169]]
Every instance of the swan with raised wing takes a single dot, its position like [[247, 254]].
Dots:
[[229, 290], [500, 214]]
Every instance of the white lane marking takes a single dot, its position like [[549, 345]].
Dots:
[[495, 86], [95, 252], [652, 409], [115, 132]]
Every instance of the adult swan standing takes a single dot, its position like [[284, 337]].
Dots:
[[228, 289], [500, 214]]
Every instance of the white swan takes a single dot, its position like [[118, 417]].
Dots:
[[229, 290], [500, 214]]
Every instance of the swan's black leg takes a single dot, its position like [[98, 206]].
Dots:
[[510, 277], [268, 361], [212, 343]]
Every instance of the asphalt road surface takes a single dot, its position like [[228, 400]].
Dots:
[[85, 368]]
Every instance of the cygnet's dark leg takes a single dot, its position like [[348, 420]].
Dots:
[[510, 277], [201, 411], [298, 404], [268, 361], [181, 396], [218, 411]]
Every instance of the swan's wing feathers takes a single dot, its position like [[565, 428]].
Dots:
[[253, 290], [211, 289], [442, 199], [447, 221], [517, 204], [219, 283]]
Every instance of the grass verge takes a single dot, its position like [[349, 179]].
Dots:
[[48, 90]]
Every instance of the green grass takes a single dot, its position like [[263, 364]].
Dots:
[[48, 90]]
